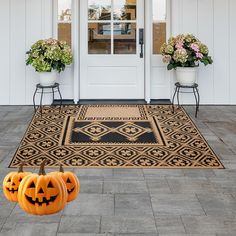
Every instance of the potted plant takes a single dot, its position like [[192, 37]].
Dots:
[[49, 57], [184, 53]]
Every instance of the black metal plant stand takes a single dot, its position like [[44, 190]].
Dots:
[[195, 91], [41, 89]]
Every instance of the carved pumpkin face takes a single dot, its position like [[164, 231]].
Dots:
[[71, 181], [42, 194], [11, 184]]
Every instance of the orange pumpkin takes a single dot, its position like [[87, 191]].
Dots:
[[42, 194], [71, 181], [11, 183]]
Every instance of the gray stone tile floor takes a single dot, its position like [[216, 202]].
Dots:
[[135, 202]]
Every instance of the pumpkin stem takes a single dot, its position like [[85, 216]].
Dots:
[[21, 167], [42, 167], [61, 168]]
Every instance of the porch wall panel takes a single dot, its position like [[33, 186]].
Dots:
[[190, 16], [206, 34], [188, 24], [17, 51], [214, 22], [232, 50], [221, 52], [33, 33], [22, 22], [5, 49]]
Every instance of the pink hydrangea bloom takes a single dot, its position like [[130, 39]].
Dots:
[[52, 41], [199, 55], [195, 47], [179, 45]]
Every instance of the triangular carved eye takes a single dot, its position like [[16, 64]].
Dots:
[[32, 185], [50, 185], [40, 190], [9, 180], [68, 181], [20, 179]]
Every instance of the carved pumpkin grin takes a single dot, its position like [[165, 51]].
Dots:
[[12, 190], [70, 191], [38, 201]]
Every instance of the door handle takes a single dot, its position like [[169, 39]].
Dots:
[[141, 41]]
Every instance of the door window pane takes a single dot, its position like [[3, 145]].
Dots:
[[112, 35], [124, 10], [159, 24], [99, 9], [64, 21], [124, 38], [99, 38]]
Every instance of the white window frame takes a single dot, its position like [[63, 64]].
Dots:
[[74, 41]]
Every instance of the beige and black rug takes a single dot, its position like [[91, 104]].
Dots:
[[115, 136]]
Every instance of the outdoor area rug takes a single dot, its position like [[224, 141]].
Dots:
[[115, 136]]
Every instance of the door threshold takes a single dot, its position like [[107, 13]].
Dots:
[[160, 102], [64, 102], [113, 101]]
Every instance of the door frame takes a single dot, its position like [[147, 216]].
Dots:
[[76, 49], [147, 46]]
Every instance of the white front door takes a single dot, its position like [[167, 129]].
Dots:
[[111, 64]]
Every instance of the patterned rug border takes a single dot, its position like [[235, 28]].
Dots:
[[222, 167], [195, 126]]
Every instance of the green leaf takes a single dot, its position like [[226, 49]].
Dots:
[[170, 67]]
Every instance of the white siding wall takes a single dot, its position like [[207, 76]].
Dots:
[[214, 22], [5, 52], [22, 22]]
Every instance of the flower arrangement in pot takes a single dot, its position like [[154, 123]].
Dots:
[[184, 53], [49, 57]]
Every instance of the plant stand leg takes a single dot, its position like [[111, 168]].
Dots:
[[34, 100], [196, 99], [53, 96], [178, 96], [60, 98], [173, 100], [198, 95], [41, 101]]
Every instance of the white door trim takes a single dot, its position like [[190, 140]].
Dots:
[[148, 46], [76, 47], [160, 78]]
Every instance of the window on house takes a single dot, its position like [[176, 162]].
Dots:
[[64, 21], [112, 26], [159, 24]]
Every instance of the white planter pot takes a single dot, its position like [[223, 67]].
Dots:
[[186, 76], [48, 78]]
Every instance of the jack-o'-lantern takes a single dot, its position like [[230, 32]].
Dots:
[[11, 183], [71, 181], [42, 194]]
